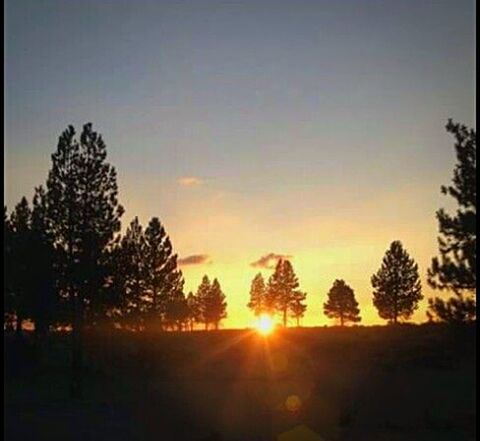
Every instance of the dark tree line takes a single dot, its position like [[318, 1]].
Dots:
[[66, 262]]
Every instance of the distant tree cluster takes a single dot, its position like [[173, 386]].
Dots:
[[281, 295], [397, 289], [397, 292]]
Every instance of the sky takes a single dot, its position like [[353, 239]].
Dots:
[[310, 129]]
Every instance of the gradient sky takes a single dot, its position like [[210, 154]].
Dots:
[[308, 128]]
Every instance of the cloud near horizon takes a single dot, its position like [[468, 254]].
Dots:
[[195, 259], [269, 261], [189, 181]]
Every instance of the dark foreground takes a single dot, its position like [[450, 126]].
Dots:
[[361, 384]]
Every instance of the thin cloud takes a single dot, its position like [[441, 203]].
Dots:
[[194, 259], [269, 261], [190, 181]]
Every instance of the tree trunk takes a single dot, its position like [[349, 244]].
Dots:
[[285, 317], [341, 319], [395, 313], [76, 389]]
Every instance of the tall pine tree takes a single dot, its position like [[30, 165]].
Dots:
[[164, 280], [455, 269], [397, 288], [84, 214]]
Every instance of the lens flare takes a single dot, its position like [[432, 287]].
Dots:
[[264, 324], [293, 403]]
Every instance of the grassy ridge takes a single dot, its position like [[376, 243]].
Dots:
[[372, 383]]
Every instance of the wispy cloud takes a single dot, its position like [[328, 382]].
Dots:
[[194, 259], [190, 181], [269, 261]]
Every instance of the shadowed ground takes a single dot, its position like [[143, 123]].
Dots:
[[378, 383]]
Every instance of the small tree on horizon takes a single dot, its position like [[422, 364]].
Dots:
[[297, 307], [282, 292], [341, 303], [212, 306], [216, 307], [455, 269], [201, 296], [397, 287], [193, 310], [258, 293]]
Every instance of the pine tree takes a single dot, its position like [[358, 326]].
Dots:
[[202, 295], [283, 294], [258, 293], [455, 269], [45, 304], [193, 310], [397, 288], [216, 305], [8, 280], [21, 284], [341, 303], [84, 214], [297, 307], [176, 311], [129, 275], [164, 281]]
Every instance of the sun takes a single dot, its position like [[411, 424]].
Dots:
[[264, 324]]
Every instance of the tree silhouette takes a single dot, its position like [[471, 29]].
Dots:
[[42, 266], [20, 286], [397, 288], [212, 306], [203, 291], [455, 269], [297, 307], [258, 294], [341, 303], [164, 281], [216, 306], [129, 276], [176, 311], [84, 215], [193, 310], [8, 280], [283, 293]]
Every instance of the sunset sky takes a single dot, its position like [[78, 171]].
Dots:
[[313, 129]]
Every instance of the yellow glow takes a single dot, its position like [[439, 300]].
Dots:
[[264, 324], [293, 403]]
